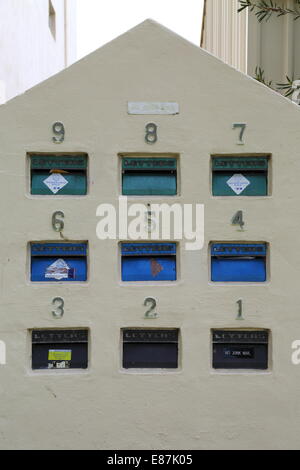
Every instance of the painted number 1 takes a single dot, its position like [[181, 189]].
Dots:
[[242, 127]]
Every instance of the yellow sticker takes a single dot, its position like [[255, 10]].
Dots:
[[59, 354]]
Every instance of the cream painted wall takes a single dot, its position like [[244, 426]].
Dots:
[[241, 41], [194, 407], [29, 53]]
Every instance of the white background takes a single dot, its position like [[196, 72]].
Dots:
[[100, 21]]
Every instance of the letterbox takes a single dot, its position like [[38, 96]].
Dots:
[[150, 348], [148, 261], [237, 262], [60, 349], [53, 262], [240, 349], [240, 176], [149, 176], [59, 174]]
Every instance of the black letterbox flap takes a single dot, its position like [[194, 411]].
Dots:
[[240, 336], [240, 163], [59, 336], [65, 162], [238, 249], [150, 336], [151, 164]]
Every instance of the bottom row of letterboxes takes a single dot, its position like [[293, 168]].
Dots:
[[150, 348]]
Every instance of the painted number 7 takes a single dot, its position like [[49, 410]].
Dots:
[[242, 127]]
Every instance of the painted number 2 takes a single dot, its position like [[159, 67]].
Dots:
[[59, 132], [150, 313], [151, 133], [242, 127]]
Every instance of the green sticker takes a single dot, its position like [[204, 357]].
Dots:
[[59, 354]]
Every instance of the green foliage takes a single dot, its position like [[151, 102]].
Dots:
[[260, 77], [265, 9]]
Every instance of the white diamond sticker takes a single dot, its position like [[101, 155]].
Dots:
[[55, 182], [238, 183], [57, 270]]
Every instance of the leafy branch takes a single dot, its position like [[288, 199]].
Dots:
[[286, 88], [265, 9]]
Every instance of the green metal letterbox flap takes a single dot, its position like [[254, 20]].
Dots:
[[240, 163], [148, 163], [65, 162]]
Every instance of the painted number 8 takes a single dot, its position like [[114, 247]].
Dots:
[[151, 133], [59, 132]]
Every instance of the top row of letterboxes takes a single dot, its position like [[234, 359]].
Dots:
[[149, 175]]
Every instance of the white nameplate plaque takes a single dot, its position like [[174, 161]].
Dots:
[[152, 107]]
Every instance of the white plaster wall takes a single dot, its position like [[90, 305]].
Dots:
[[194, 407], [28, 52]]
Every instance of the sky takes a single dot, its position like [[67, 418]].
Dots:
[[100, 21]]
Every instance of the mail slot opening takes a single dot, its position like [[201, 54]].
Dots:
[[60, 349], [148, 261], [58, 174], [240, 176], [143, 176], [54, 262], [240, 349], [150, 348], [237, 262]]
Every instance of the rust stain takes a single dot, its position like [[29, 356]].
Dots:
[[156, 268]]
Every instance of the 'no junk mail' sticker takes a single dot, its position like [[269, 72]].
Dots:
[[55, 182], [238, 183]]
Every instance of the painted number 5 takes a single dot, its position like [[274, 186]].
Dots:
[[242, 127]]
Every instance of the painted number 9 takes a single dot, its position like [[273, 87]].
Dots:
[[59, 132]]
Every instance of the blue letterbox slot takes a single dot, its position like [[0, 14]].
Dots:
[[236, 262], [148, 261], [54, 262]]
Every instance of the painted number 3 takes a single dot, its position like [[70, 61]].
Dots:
[[151, 133], [59, 304]]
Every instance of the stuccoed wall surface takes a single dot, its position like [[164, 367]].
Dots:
[[194, 407], [29, 53]]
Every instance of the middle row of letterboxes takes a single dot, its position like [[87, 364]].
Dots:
[[148, 261]]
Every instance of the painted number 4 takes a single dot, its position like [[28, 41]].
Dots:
[[242, 127], [237, 219]]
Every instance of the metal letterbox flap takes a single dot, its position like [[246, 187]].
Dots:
[[240, 163], [58, 249], [133, 249], [152, 164], [238, 249], [240, 336], [66, 162], [59, 336], [150, 336]]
